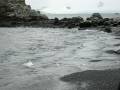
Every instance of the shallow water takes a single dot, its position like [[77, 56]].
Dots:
[[54, 53]]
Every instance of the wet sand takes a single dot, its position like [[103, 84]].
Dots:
[[95, 79]]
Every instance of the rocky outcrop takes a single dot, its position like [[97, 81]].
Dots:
[[96, 16], [36, 15], [17, 13], [17, 9]]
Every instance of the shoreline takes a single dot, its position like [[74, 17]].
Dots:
[[95, 21], [95, 79]]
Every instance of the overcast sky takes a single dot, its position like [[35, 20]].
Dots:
[[75, 6]]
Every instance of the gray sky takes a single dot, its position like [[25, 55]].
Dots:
[[75, 6]]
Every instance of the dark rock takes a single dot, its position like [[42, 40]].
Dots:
[[115, 24], [113, 51], [85, 24], [117, 38], [96, 16], [107, 21], [118, 52], [79, 28], [96, 19], [119, 86], [71, 22], [77, 19], [17, 13], [95, 60], [36, 15], [13, 11], [107, 29], [56, 21], [110, 51], [117, 44]]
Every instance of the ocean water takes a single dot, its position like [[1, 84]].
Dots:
[[54, 53], [83, 15]]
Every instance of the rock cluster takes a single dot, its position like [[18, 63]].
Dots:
[[16, 8], [94, 21], [17, 13]]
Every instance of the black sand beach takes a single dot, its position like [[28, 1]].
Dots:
[[70, 53], [95, 79]]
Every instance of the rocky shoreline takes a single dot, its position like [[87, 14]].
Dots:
[[95, 21], [15, 13]]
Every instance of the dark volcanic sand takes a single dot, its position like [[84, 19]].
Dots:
[[95, 79]]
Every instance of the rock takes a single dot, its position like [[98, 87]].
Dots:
[[107, 29], [96, 16], [36, 15], [96, 19], [19, 9], [116, 31], [110, 51], [115, 24], [117, 44], [85, 24], [71, 22], [108, 22], [119, 86], [77, 19], [113, 51], [95, 60], [17, 13], [118, 52], [79, 28], [56, 21]]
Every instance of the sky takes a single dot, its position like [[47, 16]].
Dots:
[[75, 6]]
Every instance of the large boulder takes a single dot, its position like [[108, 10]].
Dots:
[[107, 29], [113, 51], [56, 21], [96, 19], [71, 22], [85, 24], [19, 9], [77, 19], [36, 15], [14, 8], [96, 16]]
